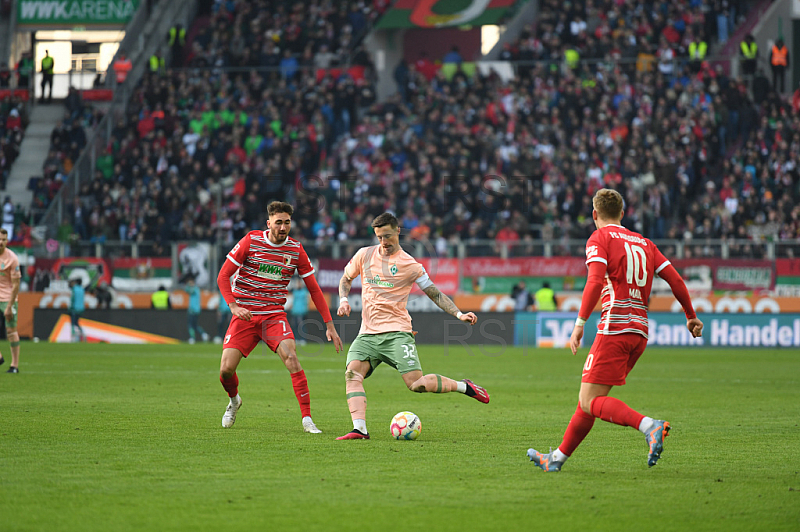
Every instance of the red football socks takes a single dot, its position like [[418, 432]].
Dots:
[[231, 385], [579, 426], [300, 385], [615, 411]]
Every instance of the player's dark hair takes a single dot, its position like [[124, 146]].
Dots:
[[608, 204], [3, 231], [279, 206], [385, 219]]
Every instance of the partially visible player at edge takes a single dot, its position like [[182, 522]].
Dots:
[[265, 262], [9, 290], [621, 265], [387, 276]]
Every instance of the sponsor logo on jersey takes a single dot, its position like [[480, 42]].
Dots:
[[629, 238], [377, 282], [591, 251], [270, 271]]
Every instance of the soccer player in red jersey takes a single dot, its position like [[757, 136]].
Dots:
[[621, 265], [265, 262]]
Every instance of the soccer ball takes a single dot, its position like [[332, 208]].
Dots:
[[405, 426]]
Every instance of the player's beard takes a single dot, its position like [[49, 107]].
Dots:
[[279, 238]]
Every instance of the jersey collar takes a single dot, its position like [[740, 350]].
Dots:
[[266, 237]]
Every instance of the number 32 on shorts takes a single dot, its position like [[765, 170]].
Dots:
[[409, 349]]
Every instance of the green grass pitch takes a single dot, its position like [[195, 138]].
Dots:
[[117, 438]]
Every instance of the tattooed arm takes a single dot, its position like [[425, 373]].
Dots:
[[345, 284], [447, 305]]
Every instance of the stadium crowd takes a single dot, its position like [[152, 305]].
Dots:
[[606, 29], [67, 140], [13, 119], [459, 158], [284, 34]]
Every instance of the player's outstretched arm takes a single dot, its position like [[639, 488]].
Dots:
[[345, 284], [681, 293], [447, 305]]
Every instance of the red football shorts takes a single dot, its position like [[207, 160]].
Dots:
[[244, 335], [612, 357]]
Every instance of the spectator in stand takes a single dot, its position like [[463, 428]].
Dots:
[[5, 75], [12, 131], [523, 300], [73, 103], [103, 294], [8, 217], [453, 56], [24, 70], [796, 101], [122, 65]]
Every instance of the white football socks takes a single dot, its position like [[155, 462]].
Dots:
[[236, 400], [360, 425], [461, 387], [646, 425], [558, 456]]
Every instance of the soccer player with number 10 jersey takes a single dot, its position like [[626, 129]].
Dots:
[[621, 266], [265, 262]]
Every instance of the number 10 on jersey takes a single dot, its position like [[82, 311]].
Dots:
[[637, 264]]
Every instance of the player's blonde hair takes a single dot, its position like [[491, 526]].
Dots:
[[608, 204]]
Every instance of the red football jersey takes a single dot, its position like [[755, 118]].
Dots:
[[265, 270], [631, 262]]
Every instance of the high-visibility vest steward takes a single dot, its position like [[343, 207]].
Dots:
[[779, 55], [749, 51], [47, 64], [545, 299], [698, 50], [156, 63], [179, 35], [160, 299]]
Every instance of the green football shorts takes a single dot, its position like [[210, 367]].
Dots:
[[13, 321], [398, 349]]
